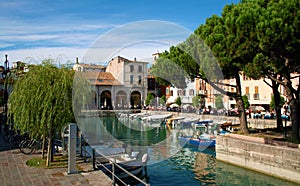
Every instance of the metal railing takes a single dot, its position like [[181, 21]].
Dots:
[[114, 165]]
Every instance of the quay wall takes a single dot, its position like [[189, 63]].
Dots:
[[260, 155]]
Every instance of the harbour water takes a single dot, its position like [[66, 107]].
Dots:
[[170, 163]]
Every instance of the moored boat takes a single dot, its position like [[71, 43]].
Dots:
[[156, 118], [200, 141]]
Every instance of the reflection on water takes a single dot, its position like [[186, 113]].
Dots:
[[170, 164], [231, 175]]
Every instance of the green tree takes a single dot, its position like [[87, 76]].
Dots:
[[275, 40], [169, 68], [219, 102], [196, 101], [178, 101], [279, 42], [230, 40], [41, 102], [163, 100], [149, 99], [246, 101]]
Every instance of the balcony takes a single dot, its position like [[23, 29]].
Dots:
[[248, 96], [202, 92], [256, 96]]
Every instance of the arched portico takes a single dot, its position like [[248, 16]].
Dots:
[[105, 100], [121, 99], [135, 99]]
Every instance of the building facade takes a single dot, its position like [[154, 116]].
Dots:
[[121, 84]]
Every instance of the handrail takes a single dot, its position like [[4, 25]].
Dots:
[[94, 161], [113, 175]]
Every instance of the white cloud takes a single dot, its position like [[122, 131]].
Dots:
[[36, 55]]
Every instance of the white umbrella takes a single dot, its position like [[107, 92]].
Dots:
[[104, 102], [174, 105], [260, 108], [186, 106]]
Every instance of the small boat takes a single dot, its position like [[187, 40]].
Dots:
[[107, 155], [173, 122], [201, 141], [202, 124], [156, 118], [188, 121], [138, 116]]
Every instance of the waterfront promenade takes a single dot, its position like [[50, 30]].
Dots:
[[14, 171]]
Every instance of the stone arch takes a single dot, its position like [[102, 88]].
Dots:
[[135, 99], [121, 99], [105, 100]]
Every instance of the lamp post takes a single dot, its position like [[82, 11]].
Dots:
[[5, 94], [6, 71]]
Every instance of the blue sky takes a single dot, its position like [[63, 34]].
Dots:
[[32, 30]]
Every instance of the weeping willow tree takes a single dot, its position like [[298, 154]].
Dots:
[[41, 103]]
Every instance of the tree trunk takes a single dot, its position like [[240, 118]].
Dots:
[[241, 107], [295, 118], [43, 146], [49, 152], [293, 99], [277, 101]]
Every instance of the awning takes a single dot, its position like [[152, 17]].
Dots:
[[171, 100]]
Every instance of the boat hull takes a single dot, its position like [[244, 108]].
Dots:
[[198, 142]]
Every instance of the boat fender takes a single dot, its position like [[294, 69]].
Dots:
[[145, 158]]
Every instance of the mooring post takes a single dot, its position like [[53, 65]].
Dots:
[[72, 149]]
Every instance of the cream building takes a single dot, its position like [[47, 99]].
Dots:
[[132, 74], [81, 67], [259, 93], [121, 84]]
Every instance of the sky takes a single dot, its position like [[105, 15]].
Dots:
[[95, 31]]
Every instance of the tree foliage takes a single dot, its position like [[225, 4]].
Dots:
[[219, 102], [275, 42], [178, 101], [196, 101], [149, 100], [163, 100], [246, 101], [169, 68], [229, 37], [41, 102]]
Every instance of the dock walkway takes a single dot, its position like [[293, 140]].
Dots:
[[14, 171]]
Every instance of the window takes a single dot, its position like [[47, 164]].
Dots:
[[256, 89], [131, 79], [247, 92], [256, 92], [167, 91], [184, 92], [140, 80], [191, 92], [131, 68], [140, 68], [171, 93], [179, 92]]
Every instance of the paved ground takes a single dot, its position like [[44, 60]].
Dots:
[[14, 171]]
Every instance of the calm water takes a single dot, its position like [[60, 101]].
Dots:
[[169, 163]]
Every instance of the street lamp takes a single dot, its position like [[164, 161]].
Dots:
[[5, 94]]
